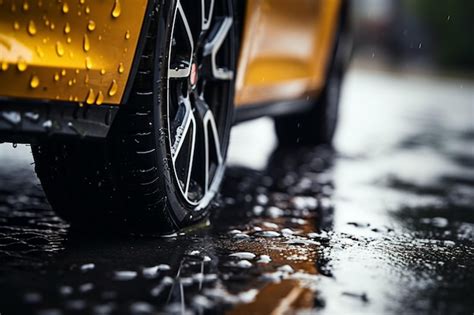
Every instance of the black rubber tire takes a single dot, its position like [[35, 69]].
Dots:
[[125, 182], [318, 125]]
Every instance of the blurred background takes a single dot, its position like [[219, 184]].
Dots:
[[425, 34]]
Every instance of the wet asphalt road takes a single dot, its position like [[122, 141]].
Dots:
[[382, 224]]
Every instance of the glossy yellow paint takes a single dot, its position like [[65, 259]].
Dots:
[[70, 50], [286, 49]]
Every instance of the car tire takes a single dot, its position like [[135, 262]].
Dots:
[[162, 163], [318, 125]]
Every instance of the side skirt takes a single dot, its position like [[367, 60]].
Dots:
[[27, 122], [273, 109]]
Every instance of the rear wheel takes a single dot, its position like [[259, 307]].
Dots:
[[163, 161]]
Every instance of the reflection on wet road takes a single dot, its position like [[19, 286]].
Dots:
[[383, 224]]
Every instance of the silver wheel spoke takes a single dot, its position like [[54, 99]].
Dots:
[[183, 68], [212, 48], [206, 14], [209, 121], [183, 129]]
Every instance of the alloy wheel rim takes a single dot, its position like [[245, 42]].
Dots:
[[198, 82]]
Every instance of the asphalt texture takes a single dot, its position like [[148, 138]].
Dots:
[[381, 224]]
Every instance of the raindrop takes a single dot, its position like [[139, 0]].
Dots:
[[113, 88], [67, 28], [25, 6], [88, 9], [52, 26], [69, 40], [16, 26], [47, 124], [90, 97], [39, 51], [117, 9], [59, 49], [102, 71], [91, 26], [243, 264], [63, 72], [264, 259], [86, 44], [127, 34], [4, 66], [69, 83], [21, 65], [125, 275], [243, 255], [31, 28], [121, 68], [100, 98], [88, 63], [56, 77], [82, 1], [87, 267], [65, 8], [34, 82]]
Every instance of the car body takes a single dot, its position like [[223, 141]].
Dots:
[[68, 69], [83, 53]]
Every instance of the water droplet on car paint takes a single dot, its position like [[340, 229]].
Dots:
[[117, 10], [100, 98], [113, 88], [16, 26], [102, 71], [63, 72], [56, 77], [127, 34], [59, 49], [13, 7], [69, 40], [90, 97], [86, 44], [25, 6], [4, 66], [87, 9], [31, 28], [21, 65], [52, 26], [69, 83], [67, 28], [121, 68], [91, 25], [34, 82], [39, 51], [65, 8], [88, 63]]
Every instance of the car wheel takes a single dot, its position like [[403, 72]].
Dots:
[[164, 158], [318, 125]]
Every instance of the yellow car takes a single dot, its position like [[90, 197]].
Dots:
[[128, 104]]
